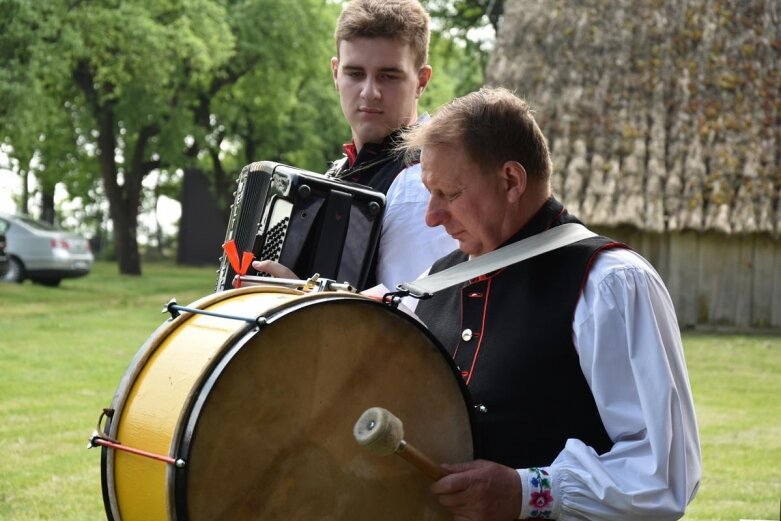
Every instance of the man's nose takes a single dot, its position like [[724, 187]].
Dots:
[[370, 89], [435, 213]]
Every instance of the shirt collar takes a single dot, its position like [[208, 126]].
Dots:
[[373, 149]]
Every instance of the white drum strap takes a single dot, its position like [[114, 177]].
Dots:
[[551, 239]]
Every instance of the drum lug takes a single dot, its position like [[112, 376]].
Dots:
[[171, 308]]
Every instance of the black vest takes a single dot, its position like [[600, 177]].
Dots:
[[518, 357], [376, 166]]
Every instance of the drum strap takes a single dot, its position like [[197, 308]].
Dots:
[[551, 239]]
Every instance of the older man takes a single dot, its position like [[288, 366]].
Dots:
[[574, 356]]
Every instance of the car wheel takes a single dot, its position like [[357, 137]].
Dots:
[[15, 271]]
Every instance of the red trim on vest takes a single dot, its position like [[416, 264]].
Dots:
[[478, 334], [486, 277], [461, 322]]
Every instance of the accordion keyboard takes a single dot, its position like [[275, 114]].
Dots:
[[275, 238]]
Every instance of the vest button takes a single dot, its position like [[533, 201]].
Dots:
[[466, 335]]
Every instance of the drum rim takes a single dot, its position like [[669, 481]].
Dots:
[[182, 439]]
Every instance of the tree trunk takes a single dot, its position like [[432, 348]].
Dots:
[[47, 207], [123, 209], [24, 207], [123, 200], [126, 243]]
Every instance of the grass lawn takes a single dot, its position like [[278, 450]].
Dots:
[[63, 351]]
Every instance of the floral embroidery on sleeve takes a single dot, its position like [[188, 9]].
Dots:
[[541, 496]]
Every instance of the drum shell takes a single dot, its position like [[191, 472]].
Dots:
[[262, 413]]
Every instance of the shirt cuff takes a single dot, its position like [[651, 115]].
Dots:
[[537, 498]]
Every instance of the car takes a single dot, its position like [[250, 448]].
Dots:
[[43, 253]]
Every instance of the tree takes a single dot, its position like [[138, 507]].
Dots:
[[472, 24], [117, 90], [96, 97], [112, 73], [273, 99]]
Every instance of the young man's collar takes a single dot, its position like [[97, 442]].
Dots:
[[372, 149]]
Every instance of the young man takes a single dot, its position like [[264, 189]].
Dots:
[[574, 356], [380, 71]]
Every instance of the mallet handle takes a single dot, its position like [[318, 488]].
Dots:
[[421, 461]]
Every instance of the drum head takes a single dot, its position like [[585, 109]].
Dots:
[[270, 436]]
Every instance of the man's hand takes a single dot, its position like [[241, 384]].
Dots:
[[274, 269], [480, 491]]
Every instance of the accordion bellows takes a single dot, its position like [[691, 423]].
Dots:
[[308, 222]]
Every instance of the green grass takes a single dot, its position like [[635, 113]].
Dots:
[[63, 351], [736, 381]]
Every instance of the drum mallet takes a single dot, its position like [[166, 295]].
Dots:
[[382, 433]]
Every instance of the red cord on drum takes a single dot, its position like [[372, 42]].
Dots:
[[98, 441]]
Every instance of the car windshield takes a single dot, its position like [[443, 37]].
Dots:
[[38, 225]]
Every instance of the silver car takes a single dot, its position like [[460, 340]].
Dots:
[[43, 253]]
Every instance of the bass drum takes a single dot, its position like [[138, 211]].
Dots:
[[261, 412]]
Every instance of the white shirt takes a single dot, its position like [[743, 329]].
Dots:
[[627, 336], [407, 245]]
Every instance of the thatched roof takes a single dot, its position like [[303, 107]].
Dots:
[[662, 114]]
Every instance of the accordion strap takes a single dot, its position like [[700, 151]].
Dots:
[[538, 244]]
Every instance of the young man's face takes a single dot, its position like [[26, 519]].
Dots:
[[378, 86]]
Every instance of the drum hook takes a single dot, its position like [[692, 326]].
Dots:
[[106, 414]]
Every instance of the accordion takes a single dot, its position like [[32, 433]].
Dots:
[[306, 221]]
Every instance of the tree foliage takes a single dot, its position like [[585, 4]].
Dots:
[[115, 90], [273, 99], [471, 24]]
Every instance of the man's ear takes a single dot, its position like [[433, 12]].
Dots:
[[334, 69], [424, 76], [515, 179]]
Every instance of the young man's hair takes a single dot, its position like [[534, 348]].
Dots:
[[493, 126], [402, 20]]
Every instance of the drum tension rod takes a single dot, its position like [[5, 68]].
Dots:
[[96, 440], [175, 310]]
